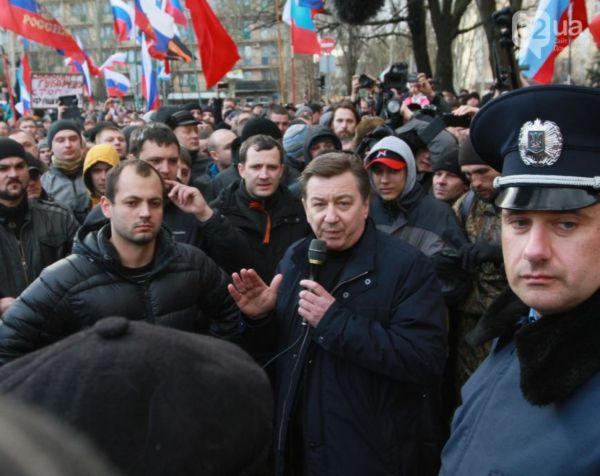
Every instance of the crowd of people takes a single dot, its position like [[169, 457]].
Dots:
[[206, 219]]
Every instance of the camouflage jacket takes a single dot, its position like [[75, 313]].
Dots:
[[482, 223]]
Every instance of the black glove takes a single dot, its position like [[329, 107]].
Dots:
[[447, 262], [473, 254]]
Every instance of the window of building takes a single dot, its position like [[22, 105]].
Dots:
[[79, 11]]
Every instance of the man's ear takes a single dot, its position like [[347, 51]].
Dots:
[[241, 169], [106, 207]]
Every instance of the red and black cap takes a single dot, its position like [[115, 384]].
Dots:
[[386, 157]]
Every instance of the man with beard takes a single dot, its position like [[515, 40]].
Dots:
[[344, 120], [130, 267], [33, 233]]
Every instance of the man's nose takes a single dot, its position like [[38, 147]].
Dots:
[[331, 215], [538, 246]]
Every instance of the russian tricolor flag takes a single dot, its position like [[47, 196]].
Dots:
[[114, 60], [304, 32], [123, 14], [117, 84], [551, 31], [149, 81], [175, 9], [24, 80], [162, 25]]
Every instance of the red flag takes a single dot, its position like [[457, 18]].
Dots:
[[217, 50], [27, 19], [594, 27]]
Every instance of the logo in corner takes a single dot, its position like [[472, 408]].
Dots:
[[540, 143]]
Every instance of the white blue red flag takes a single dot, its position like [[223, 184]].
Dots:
[[175, 9], [149, 80], [556, 23], [304, 32], [124, 18], [114, 60], [24, 80], [117, 84]]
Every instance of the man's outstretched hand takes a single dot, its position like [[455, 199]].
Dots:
[[252, 295]]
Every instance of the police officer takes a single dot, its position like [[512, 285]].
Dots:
[[531, 407]]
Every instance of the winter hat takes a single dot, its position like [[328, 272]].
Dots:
[[467, 154], [325, 118], [449, 163], [304, 110], [11, 148], [254, 126], [155, 400], [62, 125], [392, 152], [293, 140]]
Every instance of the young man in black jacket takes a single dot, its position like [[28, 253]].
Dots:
[[253, 222], [130, 267]]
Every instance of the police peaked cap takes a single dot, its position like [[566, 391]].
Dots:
[[546, 142]]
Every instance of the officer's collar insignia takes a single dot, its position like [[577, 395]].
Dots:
[[540, 143]]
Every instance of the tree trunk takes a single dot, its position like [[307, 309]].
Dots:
[[416, 25]]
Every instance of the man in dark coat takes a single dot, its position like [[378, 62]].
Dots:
[[359, 346], [255, 220], [532, 406], [33, 233], [130, 267]]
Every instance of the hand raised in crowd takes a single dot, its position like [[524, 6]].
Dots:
[[189, 199], [425, 85], [252, 295], [314, 302], [465, 110]]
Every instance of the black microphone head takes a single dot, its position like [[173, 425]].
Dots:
[[317, 252], [356, 12]]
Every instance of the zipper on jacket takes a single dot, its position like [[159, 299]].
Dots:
[[22, 253]]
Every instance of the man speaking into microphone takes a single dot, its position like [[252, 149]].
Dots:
[[354, 387]]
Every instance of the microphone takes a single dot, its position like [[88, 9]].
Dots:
[[357, 12], [317, 253]]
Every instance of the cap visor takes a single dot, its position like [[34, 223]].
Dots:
[[391, 163], [545, 198]]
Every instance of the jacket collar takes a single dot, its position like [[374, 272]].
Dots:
[[557, 354]]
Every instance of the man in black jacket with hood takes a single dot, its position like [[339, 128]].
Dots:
[[403, 209], [130, 267]]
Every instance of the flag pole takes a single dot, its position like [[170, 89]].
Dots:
[[279, 49], [569, 78]]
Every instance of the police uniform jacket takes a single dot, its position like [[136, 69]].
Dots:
[[532, 406], [368, 364], [176, 289]]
